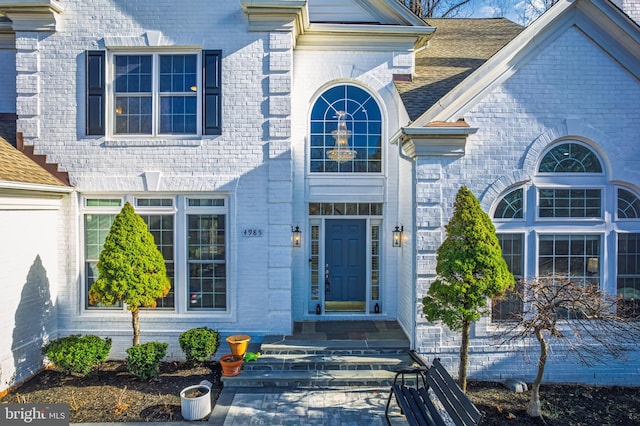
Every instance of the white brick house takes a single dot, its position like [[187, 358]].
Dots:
[[229, 127]]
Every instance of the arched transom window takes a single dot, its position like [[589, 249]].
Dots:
[[570, 158], [346, 132], [563, 219]]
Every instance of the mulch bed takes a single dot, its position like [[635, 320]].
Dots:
[[112, 394]]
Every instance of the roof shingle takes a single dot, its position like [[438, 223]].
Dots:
[[457, 48], [17, 167]]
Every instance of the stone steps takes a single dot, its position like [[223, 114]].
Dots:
[[312, 362], [323, 363], [296, 379]]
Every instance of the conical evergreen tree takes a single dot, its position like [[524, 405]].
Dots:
[[131, 268], [470, 270]]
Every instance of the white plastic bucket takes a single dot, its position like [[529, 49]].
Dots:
[[198, 407]]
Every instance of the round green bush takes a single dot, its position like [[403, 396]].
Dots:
[[144, 360], [77, 354], [199, 344]]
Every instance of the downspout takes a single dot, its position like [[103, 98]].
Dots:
[[402, 156]]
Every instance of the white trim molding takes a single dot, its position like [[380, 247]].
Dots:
[[32, 15], [436, 139]]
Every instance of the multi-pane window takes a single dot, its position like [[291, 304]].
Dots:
[[574, 257], [570, 157], [201, 252], [507, 307], [511, 206], [346, 132], [96, 228], [571, 188], [206, 262], [162, 229], [155, 94], [345, 209], [375, 262], [582, 203], [314, 264], [629, 274], [628, 205]]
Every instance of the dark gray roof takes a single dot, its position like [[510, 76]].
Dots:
[[457, 48]]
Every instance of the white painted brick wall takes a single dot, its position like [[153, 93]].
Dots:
[[631, 8], [553, 95], [279, 83], [241, 162]]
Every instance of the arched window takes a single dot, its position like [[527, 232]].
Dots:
[[628, 205], [570, 158], [565, 227], [346, 132], [510, 206]]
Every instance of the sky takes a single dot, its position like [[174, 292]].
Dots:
[[513, 10]]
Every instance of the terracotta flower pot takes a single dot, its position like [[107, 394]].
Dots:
[[238, 344], [230, 364]]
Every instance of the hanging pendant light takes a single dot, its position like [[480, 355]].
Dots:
[[341, 151]]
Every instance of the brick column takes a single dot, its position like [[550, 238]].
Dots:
[[28, 85], [280, 181]]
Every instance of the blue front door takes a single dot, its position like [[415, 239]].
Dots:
[[345, 269]]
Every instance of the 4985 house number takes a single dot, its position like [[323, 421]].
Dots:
[[252, 232]]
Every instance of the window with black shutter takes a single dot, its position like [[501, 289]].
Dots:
[[212, 97], [95, 79], [154, 93]]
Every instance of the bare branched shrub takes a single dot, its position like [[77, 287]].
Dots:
[[578, 317]]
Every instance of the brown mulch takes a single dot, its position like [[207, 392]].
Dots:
[[112, 394], [562, 405]]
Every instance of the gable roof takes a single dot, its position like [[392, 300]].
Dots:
[[385, 12], [457, 48], [336, 24], [15, 167], [601, 20]]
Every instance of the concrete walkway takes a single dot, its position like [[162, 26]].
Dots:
[[280, 407], [274, 407]]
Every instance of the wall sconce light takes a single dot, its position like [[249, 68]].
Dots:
[[397, 236], [592, 265], [296, 236]]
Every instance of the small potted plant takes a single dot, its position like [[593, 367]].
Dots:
[[230, 364], [238, 344]]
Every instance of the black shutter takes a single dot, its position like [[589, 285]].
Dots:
[[212, 92], [95, 92]]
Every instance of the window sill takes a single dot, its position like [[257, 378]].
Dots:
[[121, 143]]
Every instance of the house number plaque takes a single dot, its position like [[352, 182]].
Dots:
[[252, 232]]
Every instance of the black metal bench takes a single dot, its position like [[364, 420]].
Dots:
[[415, 403]]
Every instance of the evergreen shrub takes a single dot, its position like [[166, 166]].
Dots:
[[77, 354], [143, 360], [199, 344]]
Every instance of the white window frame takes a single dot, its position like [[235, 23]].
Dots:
[[111, 94], [566, 186], [180, 210], [383, 123]]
